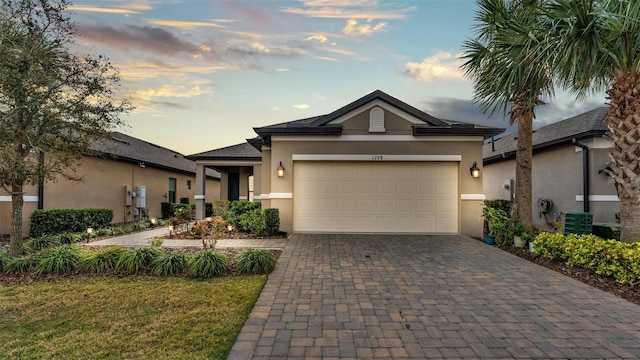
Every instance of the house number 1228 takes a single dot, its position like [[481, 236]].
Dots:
[[376, 157]]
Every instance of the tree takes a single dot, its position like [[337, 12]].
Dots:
[[598, 43], [52, 101], [509, 76]]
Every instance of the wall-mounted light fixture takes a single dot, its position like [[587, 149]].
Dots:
[[475, 170], [280, 170]]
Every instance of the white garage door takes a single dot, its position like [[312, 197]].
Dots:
[[375, 197]]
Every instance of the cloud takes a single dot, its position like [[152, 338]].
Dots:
[[326, 58], [339, 51], [317, 37], [106, 10], [138, 38], [340, 13], [440, 65], [353, 29], [282, 69], [301, 106], [467, 111], [340, 2], [260, 47], [183, 24]]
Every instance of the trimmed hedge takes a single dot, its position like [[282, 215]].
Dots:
[[272, 221], [619, 260], [45, 222]]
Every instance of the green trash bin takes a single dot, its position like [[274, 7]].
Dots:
[[578, 223], [607, 230]]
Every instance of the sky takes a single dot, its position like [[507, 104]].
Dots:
[[203, 73]]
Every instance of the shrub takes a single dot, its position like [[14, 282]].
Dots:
[[60, 259], [156, 242], [182, 212], [4, 260], [166, 209], [208, 264], [20, 265], [170, 263], [221, 208], [606, 257], [138, 259], [103, 260], [252, 222], [70, 238], [254, 261], [42, 242], [43, 222], [272, 221], [184, 200], [243, 206]]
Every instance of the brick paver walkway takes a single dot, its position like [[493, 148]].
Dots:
[[368, 296], [141, 239]]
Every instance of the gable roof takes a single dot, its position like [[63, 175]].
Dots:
[[243, 151], [583, 126], [379, 95], [320, 125], [127, 148]]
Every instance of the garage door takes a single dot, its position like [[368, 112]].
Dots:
[[375, 197]]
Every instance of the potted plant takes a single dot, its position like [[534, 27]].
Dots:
[[498, 225], [519, 235]]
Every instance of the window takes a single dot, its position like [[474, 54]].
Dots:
[[188, 184], [172, 190]]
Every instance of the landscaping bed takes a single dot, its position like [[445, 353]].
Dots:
[[626, 291]]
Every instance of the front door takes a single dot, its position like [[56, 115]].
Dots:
[[234, 186]]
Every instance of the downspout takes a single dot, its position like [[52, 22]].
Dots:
[[585, 173], [41, 181]]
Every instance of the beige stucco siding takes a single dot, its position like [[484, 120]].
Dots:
[[557, 175], [283, 151], [104, 186]]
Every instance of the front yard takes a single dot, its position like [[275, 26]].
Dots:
[[124, 317]]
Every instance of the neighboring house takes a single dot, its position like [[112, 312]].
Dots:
[[125, 171], [376, 165], [569, 162]]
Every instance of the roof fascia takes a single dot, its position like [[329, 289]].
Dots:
[[418, 114], [509, 155]]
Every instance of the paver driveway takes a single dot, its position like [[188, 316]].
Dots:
[[381, 296]]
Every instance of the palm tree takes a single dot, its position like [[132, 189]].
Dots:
[[599, 48], [509, 76]]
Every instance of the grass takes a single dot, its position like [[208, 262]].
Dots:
[[135, 317]]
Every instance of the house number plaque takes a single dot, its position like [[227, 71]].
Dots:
[[377, 157]]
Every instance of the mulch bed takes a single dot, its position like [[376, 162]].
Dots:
[[628, 292]]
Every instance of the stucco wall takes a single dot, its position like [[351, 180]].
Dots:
[[104, 187], [557, 175], [470, 150]]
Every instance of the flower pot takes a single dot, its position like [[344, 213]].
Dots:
[[489, 239], [519, 242]]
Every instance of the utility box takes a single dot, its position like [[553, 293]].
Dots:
[[578, 223], [141, 198], [607, 230]]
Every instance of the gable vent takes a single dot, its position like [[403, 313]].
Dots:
[[376, 120]]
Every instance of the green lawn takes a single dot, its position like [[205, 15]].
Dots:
[[125, 318]]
